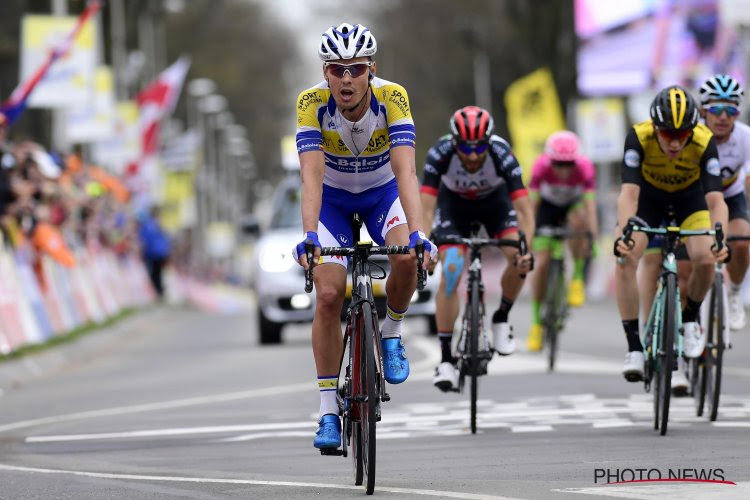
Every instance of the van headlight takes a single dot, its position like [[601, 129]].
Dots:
[[276, 259]]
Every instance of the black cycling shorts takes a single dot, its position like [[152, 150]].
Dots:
[[455, 214]]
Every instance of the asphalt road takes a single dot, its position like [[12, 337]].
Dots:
[[174, 403]]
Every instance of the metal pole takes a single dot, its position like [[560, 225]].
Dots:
[[119, 50]]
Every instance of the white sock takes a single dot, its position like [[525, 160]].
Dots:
[[327, 387], [392, 323], [734, 289]]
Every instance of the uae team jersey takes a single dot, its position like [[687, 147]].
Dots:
[[387, 123], [500, 168], [558, 191], [734, 158]]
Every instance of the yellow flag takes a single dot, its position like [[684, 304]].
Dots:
[[534, 112]]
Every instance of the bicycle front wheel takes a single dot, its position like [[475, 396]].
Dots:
[[666, 352], [368, 399], [714, 352], [474, 350]]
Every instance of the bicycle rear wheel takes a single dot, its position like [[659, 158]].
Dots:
[[664, 364], [368, 399], [714, 352], [474, 350], [553, 300]]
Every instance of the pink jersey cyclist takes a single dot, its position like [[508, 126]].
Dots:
[[559, 189], [562, 192]]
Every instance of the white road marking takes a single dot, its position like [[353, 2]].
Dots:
[[668, 491], [254, 482], [423, 420], [531, 428], [178, 403]]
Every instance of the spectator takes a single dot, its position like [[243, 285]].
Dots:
[[155, 247]]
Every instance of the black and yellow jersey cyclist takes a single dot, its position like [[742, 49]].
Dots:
[[670, 161]]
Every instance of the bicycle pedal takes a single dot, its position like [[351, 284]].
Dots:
[[331, 452], [386, 397]]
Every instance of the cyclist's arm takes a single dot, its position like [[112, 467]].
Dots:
[[525, 214], [627, 204], [429, 202], [711, 181], [312, 169], [632, 178], [404, 165]]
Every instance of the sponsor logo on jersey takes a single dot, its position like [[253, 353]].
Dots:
[[392, 221], [343, 239], [516, 172], [713, 167], [381, 217], [632, 158], [399, 99]]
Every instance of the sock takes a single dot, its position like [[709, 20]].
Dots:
[[392, 323], [536, 312], [501, 315], [631, 333], [445, 346], [579, 264], [690, 313], [327, 386], [735, 289]]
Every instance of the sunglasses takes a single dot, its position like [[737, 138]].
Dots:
[[670, 135], [467, 149], [564, 164], [355, 70], [718, 109]]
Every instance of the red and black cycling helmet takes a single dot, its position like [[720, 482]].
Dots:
[[471, 128]]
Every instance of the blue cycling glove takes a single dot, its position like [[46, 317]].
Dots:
[[416, 236], [299, 250]]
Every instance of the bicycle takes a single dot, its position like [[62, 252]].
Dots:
[[364, 380], [665, 318], [554, 310], [472, 362], [705, 371]]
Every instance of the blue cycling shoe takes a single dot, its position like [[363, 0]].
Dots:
[[396, 364], [329, 432]]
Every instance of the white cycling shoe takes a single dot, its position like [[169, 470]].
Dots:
[[446, 377], [679, 383], [693, 339], [503, 341], [736, 312], [632, 370]]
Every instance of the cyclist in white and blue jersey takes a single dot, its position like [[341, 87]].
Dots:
[[355, 138]]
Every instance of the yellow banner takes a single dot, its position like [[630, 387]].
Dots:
[[177, 195], [534, 112]]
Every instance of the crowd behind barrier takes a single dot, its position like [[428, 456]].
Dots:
[[69, 249]]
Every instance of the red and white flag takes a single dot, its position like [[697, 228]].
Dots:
[[155, 102]]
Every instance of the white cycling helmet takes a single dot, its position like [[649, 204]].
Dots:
[[721, 88], [347, 41]]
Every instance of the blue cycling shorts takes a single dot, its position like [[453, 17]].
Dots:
[[379, 208]]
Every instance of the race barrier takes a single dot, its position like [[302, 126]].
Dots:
[[43, 295]]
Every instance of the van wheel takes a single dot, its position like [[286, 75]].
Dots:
[[269, 331]]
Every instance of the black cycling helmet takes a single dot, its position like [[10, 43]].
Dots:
[[674, 108]]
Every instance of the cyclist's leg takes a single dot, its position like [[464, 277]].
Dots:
[[548, 215], [699, 282], [648, 274], [626, 288], [386, 223], [497, 215], [447, 302], [739, 224], [330, 287], [578, 223]]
